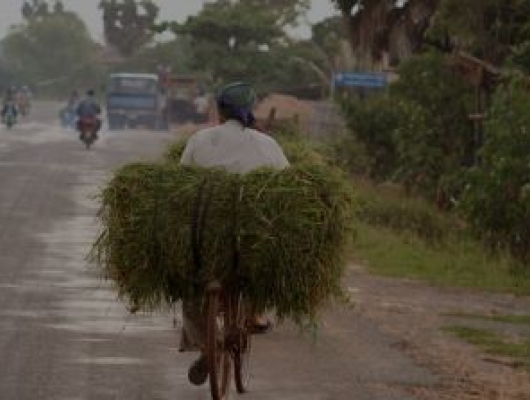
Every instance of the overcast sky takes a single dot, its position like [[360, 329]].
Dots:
[[170, 10]]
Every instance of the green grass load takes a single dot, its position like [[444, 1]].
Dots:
[[290, 228]]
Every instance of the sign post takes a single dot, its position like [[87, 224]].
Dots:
[[360, 79]]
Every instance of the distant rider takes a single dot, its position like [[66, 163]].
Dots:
[[89, 108], [10, 103], [22, 100], [73, 101], [10, 94], [68, 113]]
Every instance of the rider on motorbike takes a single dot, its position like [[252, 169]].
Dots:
[[235, 146], [22, 100], [89, 108], [73, 100], [68, 113], [9, 103]]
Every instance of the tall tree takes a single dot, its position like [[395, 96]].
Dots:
[[41, 8], [327, 34], [347, 9], [372, 26], [58, 7], [490, 29], [57, 48], [128, 23], [244, 39], [174, 53]]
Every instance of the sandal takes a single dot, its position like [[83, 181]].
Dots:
[[198, 372]]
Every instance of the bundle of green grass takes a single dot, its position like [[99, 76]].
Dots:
[[279, 236]]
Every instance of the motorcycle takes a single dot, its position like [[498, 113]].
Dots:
[[68, 118], [9, 116], [23, 107], [88, 128]]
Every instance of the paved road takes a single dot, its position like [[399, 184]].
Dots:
[[63, 334]]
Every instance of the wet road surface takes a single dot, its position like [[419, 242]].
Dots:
[[63, 333]]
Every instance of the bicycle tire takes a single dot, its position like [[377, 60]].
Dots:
[[243, 350], [218, 356]]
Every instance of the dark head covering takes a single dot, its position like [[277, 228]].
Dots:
[[236, 101]]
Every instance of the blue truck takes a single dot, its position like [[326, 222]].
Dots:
[[134, 100]]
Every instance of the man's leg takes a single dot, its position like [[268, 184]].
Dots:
[[193, 339], [193, 329]]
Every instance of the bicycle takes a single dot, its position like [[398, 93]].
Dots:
[[228, 313], [228, 340]]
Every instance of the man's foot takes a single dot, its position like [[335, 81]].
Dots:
[[198, 372]]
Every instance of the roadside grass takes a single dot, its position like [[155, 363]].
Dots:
[[494, 344], [506, 319], [456, 262], [400, 235]]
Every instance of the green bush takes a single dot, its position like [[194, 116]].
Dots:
[[497, 196], [371, 124], [400, 213], [434, 138], [418, 134]]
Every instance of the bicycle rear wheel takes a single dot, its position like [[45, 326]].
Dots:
[[217, 353], [243, 346]]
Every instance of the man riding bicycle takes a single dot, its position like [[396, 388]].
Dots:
[[236, 147]]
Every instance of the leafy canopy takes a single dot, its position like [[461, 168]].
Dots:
[[490, 29], [57, 48], [247, 40], [128, 23], [41, 8]]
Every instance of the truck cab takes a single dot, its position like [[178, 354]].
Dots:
[[135, 99]]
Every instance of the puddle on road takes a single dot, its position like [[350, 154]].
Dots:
[[21, 314], [68, 300], [115, 361], [92, 340], [36, 133], [9, 286], [84, 302]]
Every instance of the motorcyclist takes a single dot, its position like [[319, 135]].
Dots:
[[68, 113], [73, 100], [89, 108], [9, 104], [22, 100], [10, 94], [29, 96], [235, 146], [27, 92]]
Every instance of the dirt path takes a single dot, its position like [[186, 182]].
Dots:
[[414, 313]]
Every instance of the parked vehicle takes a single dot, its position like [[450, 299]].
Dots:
[[136, 100], [186, 101]]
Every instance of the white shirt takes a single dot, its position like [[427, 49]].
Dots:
[[201, 104], [237, 149]]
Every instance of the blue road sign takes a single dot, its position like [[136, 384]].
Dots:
[[361, 79]]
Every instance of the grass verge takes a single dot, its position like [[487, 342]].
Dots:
[[506, 319], [456, 263], [494, 344]]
